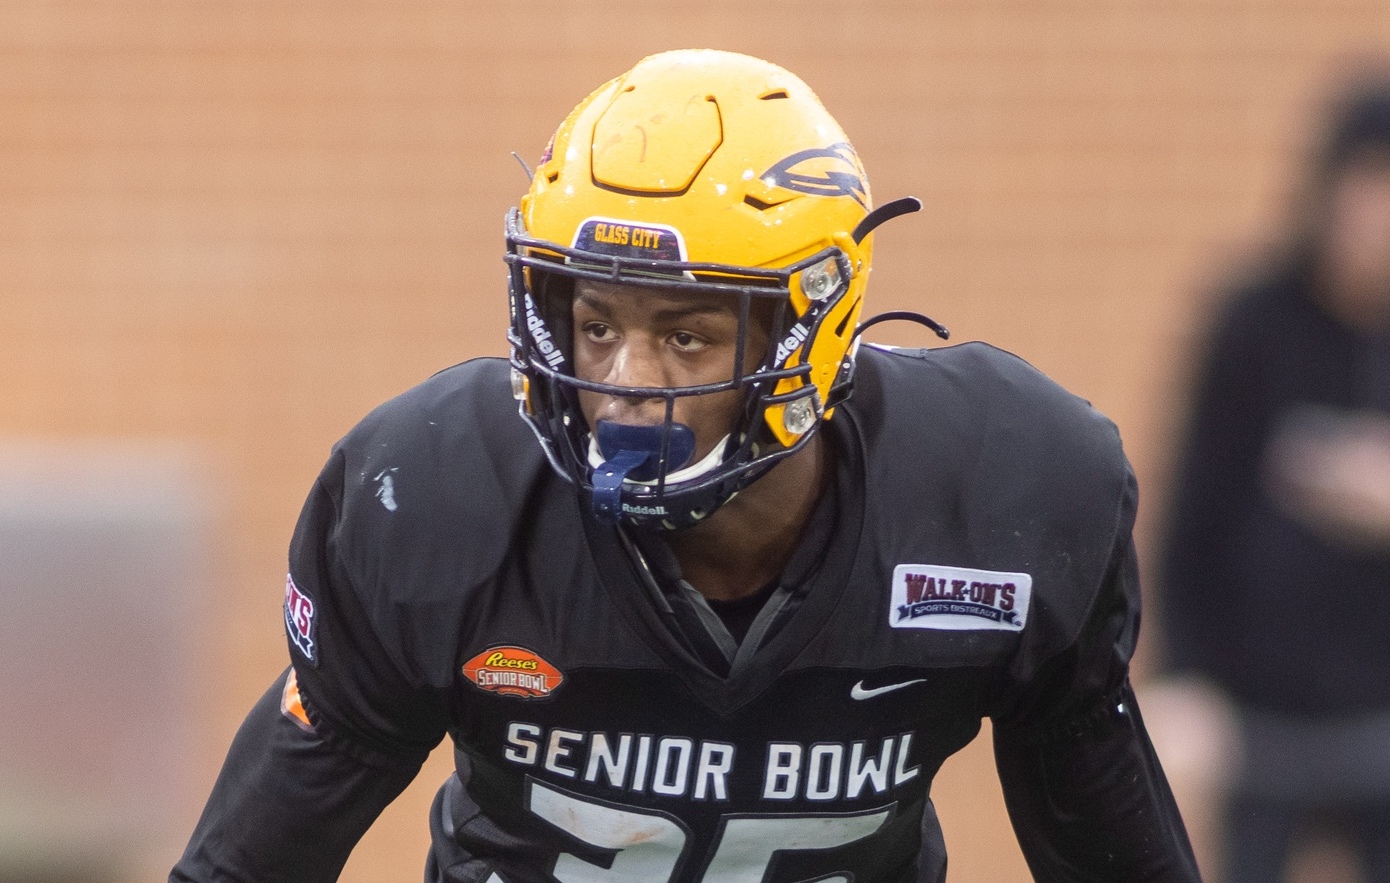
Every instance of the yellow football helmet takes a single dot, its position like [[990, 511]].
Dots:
[[707, 170]]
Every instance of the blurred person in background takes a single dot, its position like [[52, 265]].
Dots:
[[1276, 584]]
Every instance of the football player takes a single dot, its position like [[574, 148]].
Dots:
[[687, 608]]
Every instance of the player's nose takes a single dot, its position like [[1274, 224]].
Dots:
[[635, 365]]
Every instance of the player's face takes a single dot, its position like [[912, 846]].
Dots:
[[643, 337]]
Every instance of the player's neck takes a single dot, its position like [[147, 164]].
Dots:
[[747, 543]]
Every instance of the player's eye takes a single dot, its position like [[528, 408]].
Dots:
[[687, 342], [598, 332]]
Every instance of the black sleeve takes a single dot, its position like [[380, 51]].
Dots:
[[349, 633], [294, 796], [1089, 801], [287, 806], [1084, 789]]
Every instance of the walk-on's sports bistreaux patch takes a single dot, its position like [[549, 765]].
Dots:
[[934, 596]]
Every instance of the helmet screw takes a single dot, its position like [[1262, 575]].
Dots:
[[799, 416], [819, 282], [519, 385]]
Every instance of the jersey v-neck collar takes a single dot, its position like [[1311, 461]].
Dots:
[[674, 620], [696, 619]]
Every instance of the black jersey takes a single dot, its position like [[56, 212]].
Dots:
[[972, 559]]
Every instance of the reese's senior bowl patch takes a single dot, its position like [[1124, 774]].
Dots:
[[512, 671], [933, 596]]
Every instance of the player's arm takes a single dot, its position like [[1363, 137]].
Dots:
[[301, 785], [1084, 789], [1089, 801], [288, 805]]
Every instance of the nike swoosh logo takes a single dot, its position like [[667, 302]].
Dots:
[[858, 691]]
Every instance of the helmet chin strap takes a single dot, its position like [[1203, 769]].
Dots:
[[620, 452]]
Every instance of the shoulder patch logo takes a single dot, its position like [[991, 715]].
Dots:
[[934, 596], [513, 671], [300, 621]]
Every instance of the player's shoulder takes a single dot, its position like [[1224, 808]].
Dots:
[[423, 500], [978, 394], [452, 450], [973, 367], [419, 504], [976, 459], [453, 419], [476, 388]]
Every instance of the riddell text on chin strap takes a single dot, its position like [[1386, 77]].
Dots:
[[635, 453]]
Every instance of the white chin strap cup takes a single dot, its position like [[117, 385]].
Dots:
[[694, 470]]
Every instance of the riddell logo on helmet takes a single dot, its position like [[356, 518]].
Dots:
[[513, 671], [541, 335], [795, 338]]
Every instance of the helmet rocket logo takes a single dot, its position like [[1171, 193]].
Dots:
[[824, 171]]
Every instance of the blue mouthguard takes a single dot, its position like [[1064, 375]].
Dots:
[[634, 452]]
